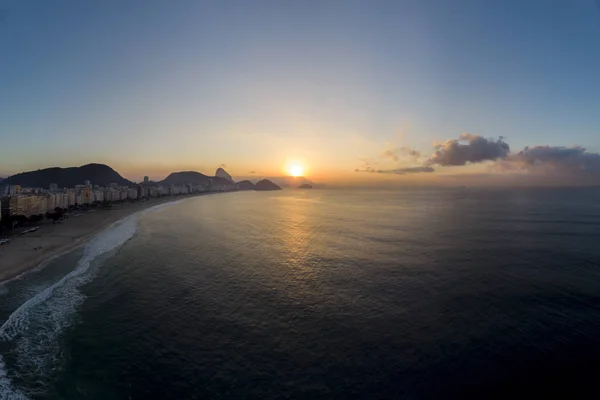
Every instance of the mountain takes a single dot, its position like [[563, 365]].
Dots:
[[193, 177], [97, 174], [291, 181], [221, 173], [266, 184], [245, 185], [305, 186]]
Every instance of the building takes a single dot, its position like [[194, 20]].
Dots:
[[71, 197], [54, 187], [24, 205], [14, 189], [5, 207], [98, 195], [146, 180], [132, 193]]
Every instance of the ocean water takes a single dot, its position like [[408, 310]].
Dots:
[[317, 294]]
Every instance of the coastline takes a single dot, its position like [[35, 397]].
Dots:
[[27, 252]]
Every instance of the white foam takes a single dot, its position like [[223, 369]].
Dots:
[[34, 327], [6, 390], [25, 274]]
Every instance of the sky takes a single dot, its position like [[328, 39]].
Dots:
[[378, 92]]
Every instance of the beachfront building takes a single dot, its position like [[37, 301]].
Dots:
[[142, 191], [71, 193], [51, 202], [25, 205], [98, 195], [132, 193], [5, 207], [161, 191]]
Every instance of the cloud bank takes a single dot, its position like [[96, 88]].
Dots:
[[575, 163], [397, 171], [574, 160], [477, 149]]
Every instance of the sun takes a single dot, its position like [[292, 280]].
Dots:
[[296, 170]]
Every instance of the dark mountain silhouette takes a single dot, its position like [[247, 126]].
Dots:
[[193, 177], [245, 185], [305, 186], [221, 173], [266, 184], [290, 181], [97, 174]]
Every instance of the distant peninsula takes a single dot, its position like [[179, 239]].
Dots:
[[104, 176], [194, 178], [100, 174], [245, 185], [266, 184]]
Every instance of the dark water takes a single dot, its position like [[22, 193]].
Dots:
[[318, 294]]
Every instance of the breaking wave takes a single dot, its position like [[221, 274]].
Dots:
[[33, 329]]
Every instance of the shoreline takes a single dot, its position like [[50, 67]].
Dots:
[[31, 251]]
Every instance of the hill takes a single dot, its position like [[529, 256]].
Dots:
[[193, 177], [245, 185], [97, 174], [221, 173], [266, 184], [290, 181]]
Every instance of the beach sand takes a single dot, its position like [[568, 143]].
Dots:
[[25, 252]]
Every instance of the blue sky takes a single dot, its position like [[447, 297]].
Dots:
[[154, 86]]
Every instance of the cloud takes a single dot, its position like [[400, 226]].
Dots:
[[396, 153], [398, 171], [574, 160], [390, 153], [535, 164], [252, 172], [477, 149]]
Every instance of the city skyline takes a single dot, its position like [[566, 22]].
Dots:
[[362, 93]]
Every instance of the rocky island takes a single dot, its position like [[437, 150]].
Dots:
[[245, 185], [266, 184]]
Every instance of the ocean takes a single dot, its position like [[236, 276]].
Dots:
[[317, 294]]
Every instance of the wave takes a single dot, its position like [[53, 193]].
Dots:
[[6, 390], [34, 328], [41, 266]]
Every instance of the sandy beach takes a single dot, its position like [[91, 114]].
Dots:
[[25, 252]]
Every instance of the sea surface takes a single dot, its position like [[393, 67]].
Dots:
[[317, 294]]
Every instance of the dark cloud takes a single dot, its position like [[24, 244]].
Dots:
[[574, 160], [535, 164], [398, 171], [252, 172], [477, 149]]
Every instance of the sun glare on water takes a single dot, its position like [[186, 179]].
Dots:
[[296, 170]]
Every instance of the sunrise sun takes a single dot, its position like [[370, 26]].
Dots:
[[296, 170]]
